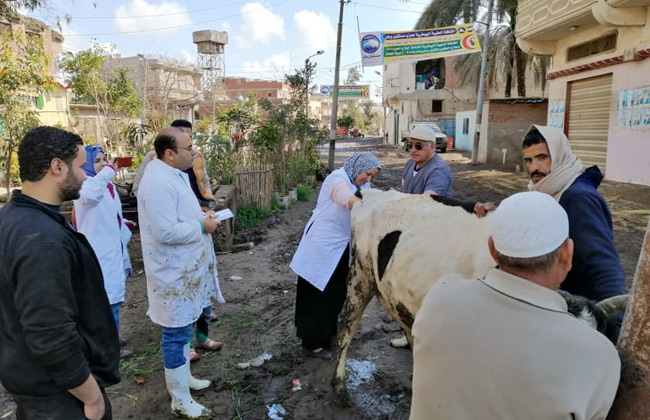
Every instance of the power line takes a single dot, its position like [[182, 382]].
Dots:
[[159, 15], [180, 26], [386, 8]]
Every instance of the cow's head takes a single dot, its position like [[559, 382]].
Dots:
[[592, 313]]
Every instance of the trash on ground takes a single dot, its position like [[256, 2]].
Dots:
[[359, 372], [139, 381], [287, 254], [256, 362], [235, 277], [296, 385], [276, 412], [285, 291], [139, 272]]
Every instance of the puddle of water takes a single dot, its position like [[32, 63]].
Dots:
[[364, 394]]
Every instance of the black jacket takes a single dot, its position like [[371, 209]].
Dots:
[[56, 325]]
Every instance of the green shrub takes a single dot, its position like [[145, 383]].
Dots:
[[304, 191], [250, 216]]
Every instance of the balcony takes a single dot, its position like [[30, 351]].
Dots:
[[540, 23]]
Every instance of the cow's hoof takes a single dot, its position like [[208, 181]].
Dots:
[[341, 395]]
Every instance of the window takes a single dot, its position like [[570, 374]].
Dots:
[[38, 101], [465, 125], [436, 106], [596, 46]]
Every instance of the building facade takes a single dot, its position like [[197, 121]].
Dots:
[[599, 83]]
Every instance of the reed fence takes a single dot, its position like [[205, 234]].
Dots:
[[254, 185]]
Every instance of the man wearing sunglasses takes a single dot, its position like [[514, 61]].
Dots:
[[425, 172]]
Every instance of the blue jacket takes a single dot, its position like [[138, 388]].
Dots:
[[597, 273]]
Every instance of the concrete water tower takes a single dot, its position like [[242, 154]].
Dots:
[[211, 59]]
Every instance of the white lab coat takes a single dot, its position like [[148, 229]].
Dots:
[[179, 259], [96, 213], [326, 235]]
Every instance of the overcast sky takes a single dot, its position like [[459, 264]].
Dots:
[[266, 38]]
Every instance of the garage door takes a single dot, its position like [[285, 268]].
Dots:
[[588, 119]]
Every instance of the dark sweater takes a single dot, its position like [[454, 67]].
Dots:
[[56, 325], [597, 273]]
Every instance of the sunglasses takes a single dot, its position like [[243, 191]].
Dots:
[[417, 146]]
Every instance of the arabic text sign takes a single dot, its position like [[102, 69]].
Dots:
[[399, 47], [408, 46], [348, 91]]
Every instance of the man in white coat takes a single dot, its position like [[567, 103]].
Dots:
[[179, 261]]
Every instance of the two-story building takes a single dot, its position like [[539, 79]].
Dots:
[[52, 104], [169, 88], [599, 83]]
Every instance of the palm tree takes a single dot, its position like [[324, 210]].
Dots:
[[506, 60]]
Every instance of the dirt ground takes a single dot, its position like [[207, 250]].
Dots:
[[258, 317]]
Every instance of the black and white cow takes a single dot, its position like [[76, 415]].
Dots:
[[403, 244]]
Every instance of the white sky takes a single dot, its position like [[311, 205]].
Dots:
[[266, 38]]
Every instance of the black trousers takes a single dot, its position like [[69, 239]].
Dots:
[[317, 312], [63, 406]]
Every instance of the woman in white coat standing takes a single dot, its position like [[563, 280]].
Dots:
[[322, 259], [98, 215]]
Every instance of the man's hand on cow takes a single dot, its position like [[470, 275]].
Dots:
[[481, 209], [210, 222]]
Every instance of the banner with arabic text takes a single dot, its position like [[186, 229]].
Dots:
[[410, 46], [347, 91]]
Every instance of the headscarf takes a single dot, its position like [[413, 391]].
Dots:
[[565, 166], [359, 163], [91, 153]]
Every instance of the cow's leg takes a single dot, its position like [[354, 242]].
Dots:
[[361, 289]]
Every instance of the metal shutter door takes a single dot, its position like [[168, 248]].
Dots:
[[588, 120]]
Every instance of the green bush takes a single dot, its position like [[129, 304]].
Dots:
[[304, 191], [250, 216]]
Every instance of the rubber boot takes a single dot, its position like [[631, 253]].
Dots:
[[178, 386], [195, 384]]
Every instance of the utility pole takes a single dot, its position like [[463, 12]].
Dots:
[[307, 71], [335, 93], [481, 84]]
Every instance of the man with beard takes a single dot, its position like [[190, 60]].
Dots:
[[553, 169], [58, 342]]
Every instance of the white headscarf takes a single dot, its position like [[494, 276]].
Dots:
[[565, 166]]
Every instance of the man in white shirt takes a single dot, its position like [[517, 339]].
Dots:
[[505, 347], [179, 261]]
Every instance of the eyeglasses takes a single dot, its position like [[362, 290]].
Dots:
[[418, 146], [188, 148]]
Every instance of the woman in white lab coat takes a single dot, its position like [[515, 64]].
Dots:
[[322, 259], [98, 215]]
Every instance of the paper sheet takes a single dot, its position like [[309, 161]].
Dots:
[[224, 214]]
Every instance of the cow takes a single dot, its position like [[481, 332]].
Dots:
[[404, 243]]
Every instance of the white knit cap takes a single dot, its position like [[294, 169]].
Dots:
[[529, 224], [422, 132]]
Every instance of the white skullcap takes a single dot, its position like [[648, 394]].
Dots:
[[528, 224], [422, 132]]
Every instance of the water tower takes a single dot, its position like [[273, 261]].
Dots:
[[211, 59]]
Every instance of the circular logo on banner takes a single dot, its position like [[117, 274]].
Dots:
[[325, 90], [370, 43], [469, 42], [365, 93]]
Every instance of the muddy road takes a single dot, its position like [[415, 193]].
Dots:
[[258, 317]]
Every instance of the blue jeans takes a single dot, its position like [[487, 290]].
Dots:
[[172, 343], [116, 314]]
